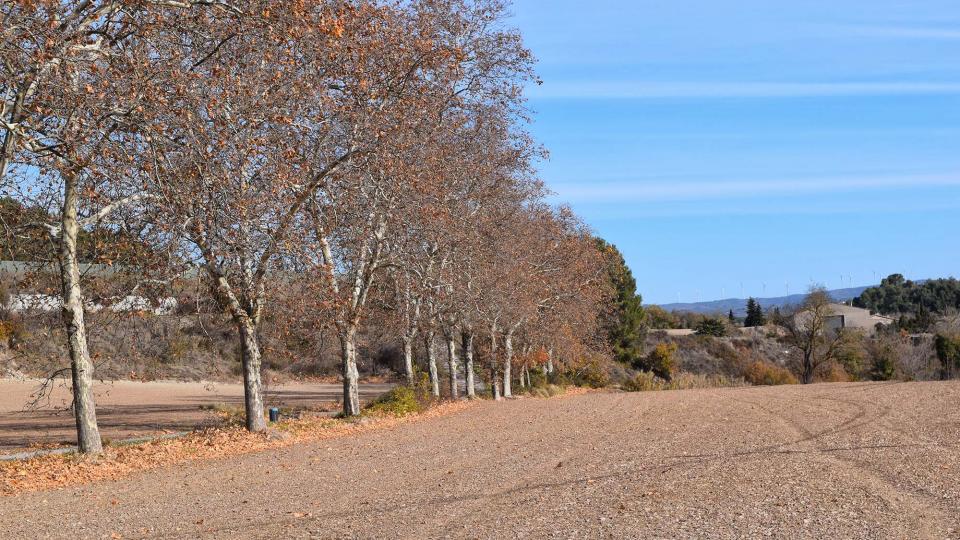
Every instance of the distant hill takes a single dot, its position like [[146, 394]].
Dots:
[[738, 305]]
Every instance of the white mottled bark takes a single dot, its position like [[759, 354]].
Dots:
[[467, 338], [252, 383], [246, 321], [494, 372], [508, 363], [432, 364], [408, 359], [452, 366], [81, 368], [351, 377]]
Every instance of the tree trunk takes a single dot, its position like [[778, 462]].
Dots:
[[548, 368], [507, 364], [806, 377], [494, 372], [452, 366], [81, 368], [467, 336], [252, 383], [408, 359], [432, 364], [351, 377]]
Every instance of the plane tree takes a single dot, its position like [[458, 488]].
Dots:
[[70, 95]]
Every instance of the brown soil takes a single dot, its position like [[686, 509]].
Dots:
[[824, 461], [127, 409]]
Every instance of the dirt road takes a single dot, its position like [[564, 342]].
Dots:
[[128, 409], [824, 461]]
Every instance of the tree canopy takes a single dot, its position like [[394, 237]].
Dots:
[[897, 295], [755, 316], [625, 317]]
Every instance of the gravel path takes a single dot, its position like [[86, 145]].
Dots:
[[127, 409], [824, 461]]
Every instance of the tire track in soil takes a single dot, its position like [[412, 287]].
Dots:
[[890, 487]]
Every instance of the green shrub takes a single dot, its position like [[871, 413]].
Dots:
[[858, 356], [538, 379], [948, 352], [660, 361], [883, 363], [593, 374], [711, 327], [559, 378], [400, 401]]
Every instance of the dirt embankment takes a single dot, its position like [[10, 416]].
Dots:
[[824, 461]]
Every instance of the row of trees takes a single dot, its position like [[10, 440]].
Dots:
[[897, 295], [341, 152]]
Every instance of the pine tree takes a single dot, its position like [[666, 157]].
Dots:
[[733, 319], [755, 316], [626, 319]]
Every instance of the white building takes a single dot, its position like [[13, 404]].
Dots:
[[844, 316]]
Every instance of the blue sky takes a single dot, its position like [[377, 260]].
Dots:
[[754, 146]]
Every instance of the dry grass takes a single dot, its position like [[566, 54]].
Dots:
[[762, 373], [548, 391], [646, 381]]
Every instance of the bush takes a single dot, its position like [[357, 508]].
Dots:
[[833, 372], [948, 352], [643, 382], [13, 333], [711, 327], [762, 373], [178, 347], [547, 391], [559, 378], [592, 374], [538, 379], [646, 382], [660, 360], [883, 361], [400, 401]]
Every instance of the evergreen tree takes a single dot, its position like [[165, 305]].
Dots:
[[731, 317], [711, 327], [917, 303], [755, 316], [625, 317]]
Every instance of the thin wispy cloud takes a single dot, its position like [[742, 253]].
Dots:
[[763, 208], [904, 32], [674, 190], [708, 90]]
